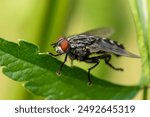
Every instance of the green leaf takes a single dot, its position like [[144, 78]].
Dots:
[[23, 62], [140, 10]]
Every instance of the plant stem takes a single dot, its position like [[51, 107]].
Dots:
[[145, 92], [140, 11], [57, 14], [47, 22]]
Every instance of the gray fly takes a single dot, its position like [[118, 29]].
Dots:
[[94, 42]]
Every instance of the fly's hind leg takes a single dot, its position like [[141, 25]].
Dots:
[[96, 59], [107, 59], [91, 60]]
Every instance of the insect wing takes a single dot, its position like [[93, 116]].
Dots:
[[123, 52], [104, 46], [101, 32]]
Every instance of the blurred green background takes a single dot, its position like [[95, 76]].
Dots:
[[44, 21]]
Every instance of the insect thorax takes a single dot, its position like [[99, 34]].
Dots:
[[78, 47]]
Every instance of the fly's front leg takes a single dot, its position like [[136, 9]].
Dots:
[[53, 54], [59, 70], [107, 59], [91, 60]]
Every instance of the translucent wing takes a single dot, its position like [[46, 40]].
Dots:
[[118, 49], [101, 32], [124, 52]]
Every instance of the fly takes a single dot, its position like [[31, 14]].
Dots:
[[94, 42]]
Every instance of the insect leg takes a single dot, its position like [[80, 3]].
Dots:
[[107, 59], [71, 63], [72, 57], [59, 70], [53, 54], [91, 60]]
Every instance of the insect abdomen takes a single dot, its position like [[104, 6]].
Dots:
[[114, 43]]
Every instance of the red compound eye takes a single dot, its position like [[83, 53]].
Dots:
[[64, 45]]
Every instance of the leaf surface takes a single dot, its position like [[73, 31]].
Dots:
[[23, 62]]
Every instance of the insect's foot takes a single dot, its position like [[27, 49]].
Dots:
[[90, 83], [120, 69], [58, 73]]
